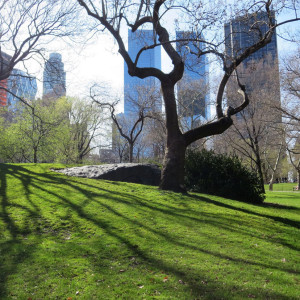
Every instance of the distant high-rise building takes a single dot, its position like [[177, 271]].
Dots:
[[192, 90], [260, 71], [244, 31], [134, 87], [20, 85], [54, 83]]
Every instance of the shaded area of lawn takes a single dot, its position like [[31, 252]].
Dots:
[[102, 240]]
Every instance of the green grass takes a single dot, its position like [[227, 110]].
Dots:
[[64, 237], [279, 187]]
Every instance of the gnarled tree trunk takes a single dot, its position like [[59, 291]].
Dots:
[[173, 167]]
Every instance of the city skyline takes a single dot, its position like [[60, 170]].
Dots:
[[84, 70]]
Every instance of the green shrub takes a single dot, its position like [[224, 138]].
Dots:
[[221, 175]]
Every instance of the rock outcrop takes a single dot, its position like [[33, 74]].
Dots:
[[127, 172]]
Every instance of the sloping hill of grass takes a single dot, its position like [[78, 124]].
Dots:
[[72, 238]]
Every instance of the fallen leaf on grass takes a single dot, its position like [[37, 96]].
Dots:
[[283, 260], [141, 286], [69, 298], [165, 279]]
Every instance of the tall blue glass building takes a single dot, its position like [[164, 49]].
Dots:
[[134, 87], [192, 90], [21, 85], [54, 82], [244, 31]]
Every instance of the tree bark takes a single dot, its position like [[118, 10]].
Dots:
[[130, 152], [35, 160], [173, 167], [259, 164], [172, 177]]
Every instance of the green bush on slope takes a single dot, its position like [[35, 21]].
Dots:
[[221, 175]]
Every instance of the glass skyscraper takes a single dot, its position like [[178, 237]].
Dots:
[[192, 89], [138, 90], [244, 31], [54, 82], [21, 85]]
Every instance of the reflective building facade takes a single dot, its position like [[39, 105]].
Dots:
[[135, 88], [192, 89], [242, 32], [54, 81], [21, 85]]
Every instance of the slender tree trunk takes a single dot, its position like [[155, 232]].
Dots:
[[298, 179], [35, 155], [130, 153], [260, 174], [275, 168], [271, 183], [259, 166]]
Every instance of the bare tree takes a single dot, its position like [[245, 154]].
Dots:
[[86, 121], [130, 126], [257, 131], [290, 107], [26, 27], [202, 16], [294, 155], [192, 97], [155, 138]]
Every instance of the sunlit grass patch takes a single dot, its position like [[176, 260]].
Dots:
[[64, 237]]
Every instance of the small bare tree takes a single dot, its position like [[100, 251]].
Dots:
[[131, 125], [290, 108], [84, 129], [259, 123]]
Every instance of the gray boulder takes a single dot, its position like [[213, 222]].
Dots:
[[130, 172]]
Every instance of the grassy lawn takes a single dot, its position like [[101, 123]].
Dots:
[[72, 238], [279, 187]]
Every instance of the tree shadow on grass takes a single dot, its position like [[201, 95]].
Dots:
[[285, 221], [14, 248]]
